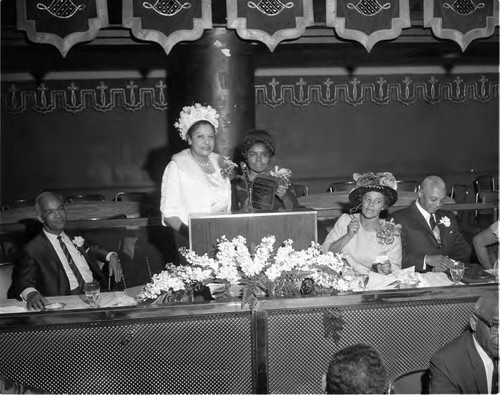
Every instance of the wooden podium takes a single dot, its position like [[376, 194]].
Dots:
[[299, 226]]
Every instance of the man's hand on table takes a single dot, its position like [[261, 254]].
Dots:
[[35, 301], [115, 267], [439, 263]]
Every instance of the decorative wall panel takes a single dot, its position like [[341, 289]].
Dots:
[[134, 95]]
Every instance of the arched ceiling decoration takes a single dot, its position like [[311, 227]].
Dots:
[[368, 21], [269, 21], [64, 23], [167, 22], [461, 20]]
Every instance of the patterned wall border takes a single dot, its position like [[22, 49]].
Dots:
[[49, 96], [328, 91]]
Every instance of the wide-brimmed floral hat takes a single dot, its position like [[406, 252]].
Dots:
[[384, 183]]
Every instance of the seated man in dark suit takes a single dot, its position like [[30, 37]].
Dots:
[[357, 369], [431, 237], [54, 264], [469, 364]]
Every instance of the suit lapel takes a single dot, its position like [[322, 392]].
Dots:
[[51, 252], [423, 223]]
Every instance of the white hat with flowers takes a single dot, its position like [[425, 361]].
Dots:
[[385, 183], [191, 114]]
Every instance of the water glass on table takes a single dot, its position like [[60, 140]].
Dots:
[[92, 292], [457, 272]]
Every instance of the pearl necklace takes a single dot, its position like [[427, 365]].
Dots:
[[199, 163]]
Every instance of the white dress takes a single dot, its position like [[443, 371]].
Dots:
[[364, 247], [186, 188]]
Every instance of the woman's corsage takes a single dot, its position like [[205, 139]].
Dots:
[[282, 174], [78, 241], [387, 231], [445, 221], [227, 167]]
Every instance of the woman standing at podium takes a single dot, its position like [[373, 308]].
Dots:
[[196, 179], [257, 149]]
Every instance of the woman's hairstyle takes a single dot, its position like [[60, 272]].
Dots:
[[257, 136], [191, 115]]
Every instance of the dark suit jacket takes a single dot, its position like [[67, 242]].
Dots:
[[40, 267], [418, 239], [457, 368]]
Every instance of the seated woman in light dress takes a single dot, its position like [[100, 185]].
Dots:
[[257, 149], [367, 241], [196, 179]]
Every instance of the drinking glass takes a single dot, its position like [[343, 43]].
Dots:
[[92, 291], [457, 272]]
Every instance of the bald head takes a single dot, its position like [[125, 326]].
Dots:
[[432, 193], [51, 212], [487, 306]]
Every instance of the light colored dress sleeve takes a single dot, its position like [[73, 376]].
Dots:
[[339, 230], [171, 202]]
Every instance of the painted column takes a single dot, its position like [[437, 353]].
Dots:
[[217, 70]]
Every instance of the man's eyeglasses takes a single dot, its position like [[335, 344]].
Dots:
[[492, 325]]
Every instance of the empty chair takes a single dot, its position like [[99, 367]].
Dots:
[[17, 203], [414, 382], [91, 197], [341, 186], [300, 190], [488, 216], [411, 186], [483, 183], [131, 196], [461, 193], [495, 184]]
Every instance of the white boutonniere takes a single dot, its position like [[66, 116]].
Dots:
[[78, 241], [445, 221]]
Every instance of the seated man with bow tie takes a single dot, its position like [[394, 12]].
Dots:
[[431, 237], [54, 264]]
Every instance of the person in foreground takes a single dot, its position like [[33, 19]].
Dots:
[[357, 369], [367, 241], [431, 237], [53, 263], [196, 180], [257, 149], [469, 364], [482, 240]]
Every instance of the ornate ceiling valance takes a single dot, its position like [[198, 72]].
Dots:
[[269, 21], [461, 20], [167, 21], [62, 23], [368, 21]]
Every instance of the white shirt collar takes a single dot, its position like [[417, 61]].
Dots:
[[426, 214], [487, 362], [53, 238]]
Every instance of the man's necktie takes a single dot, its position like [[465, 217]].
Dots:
[[435, 229], [494, 379], [72, 265]]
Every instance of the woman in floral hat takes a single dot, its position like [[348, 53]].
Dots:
[[257, 149], [367, 241], [196, 180]]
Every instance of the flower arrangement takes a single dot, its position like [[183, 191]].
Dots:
[[191, 114], [283, 174], [383, 178], [261, 270]]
